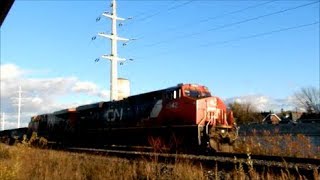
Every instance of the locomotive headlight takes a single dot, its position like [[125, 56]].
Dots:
[[223, 131]]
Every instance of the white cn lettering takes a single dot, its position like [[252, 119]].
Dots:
[[112, 114]]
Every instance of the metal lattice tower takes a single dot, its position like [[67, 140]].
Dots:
[[2, 122], [113, 57], [19, 107], [19, 104]]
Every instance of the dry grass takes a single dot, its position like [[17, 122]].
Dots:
[[278, 145], [23, 162]]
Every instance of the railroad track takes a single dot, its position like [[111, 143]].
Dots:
[[225, 161], [133, 152]]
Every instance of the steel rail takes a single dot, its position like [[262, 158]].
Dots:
[[224, 158], [225, 162]]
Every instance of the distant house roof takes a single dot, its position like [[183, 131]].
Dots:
[[269, 116]]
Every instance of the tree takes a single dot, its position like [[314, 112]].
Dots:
[[309, 99], [244, 113]]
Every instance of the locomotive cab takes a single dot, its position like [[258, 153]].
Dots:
[[216, 127]]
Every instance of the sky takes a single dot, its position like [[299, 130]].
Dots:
[[260, 52]]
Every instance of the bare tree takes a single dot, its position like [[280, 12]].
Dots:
[[309, 99]]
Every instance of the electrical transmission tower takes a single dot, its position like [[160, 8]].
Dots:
[[2, 121], [19, 106], [113, 57]]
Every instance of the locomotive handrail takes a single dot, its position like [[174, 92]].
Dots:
[[199, 130], [207, 127]]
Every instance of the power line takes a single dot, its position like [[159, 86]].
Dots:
[[247, 37], [167, 10], [142, 14], [235, 12], [258, 35], [217, 17], [232, 24], [175, 6], [156, 13], [220, 16]]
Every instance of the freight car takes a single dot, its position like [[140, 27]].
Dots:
[[179, 117]]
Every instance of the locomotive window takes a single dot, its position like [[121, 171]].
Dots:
[[174, 94], [196, 94]]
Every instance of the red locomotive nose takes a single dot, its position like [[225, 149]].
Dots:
[[214, 111]]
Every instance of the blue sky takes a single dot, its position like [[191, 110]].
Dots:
[[53, 39]]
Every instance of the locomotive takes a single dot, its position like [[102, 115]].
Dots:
[[181, 117]]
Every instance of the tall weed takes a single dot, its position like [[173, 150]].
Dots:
[[277, 144]]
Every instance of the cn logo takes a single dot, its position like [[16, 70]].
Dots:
[[113, 114]]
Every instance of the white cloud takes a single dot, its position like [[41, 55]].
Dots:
[[10, 71], [265, 103], [84, 87], [36, 100], [43, 95], [90, 88], [104, 94]]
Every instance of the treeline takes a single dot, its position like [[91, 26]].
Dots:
[[306, 98]]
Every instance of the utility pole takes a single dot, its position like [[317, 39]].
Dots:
[[113, 57], [19, 106], [2, 122]]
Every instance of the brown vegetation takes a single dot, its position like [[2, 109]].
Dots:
[[273, 143], [23, 162]]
